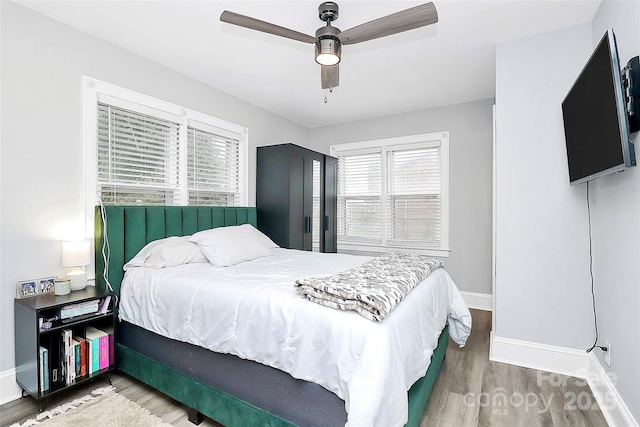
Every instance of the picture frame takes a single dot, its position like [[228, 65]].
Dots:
[[46, 285], [34, 287], [27, 288]]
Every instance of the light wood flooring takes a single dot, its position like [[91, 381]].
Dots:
[[470, 391]]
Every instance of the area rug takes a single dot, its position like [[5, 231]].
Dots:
[[102, 408]]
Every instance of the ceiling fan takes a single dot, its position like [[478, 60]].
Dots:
[[329, 39]]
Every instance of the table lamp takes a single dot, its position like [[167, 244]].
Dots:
[[76, 255]]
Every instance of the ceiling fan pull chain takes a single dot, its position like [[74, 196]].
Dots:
[[327, 93]]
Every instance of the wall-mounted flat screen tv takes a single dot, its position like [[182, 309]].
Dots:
[[595, 120]]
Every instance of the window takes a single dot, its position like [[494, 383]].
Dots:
[[213, 167], [393, 194], [141, 150]]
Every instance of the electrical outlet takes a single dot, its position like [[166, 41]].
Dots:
[[607, 354]]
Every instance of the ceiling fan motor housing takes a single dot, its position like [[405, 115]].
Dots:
[[328, 11]]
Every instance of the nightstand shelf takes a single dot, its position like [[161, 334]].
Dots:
[[39, 324]]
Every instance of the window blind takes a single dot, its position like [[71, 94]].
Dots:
[[151, 160], [360, 197], [413, 197], [137, 157], [393, 194], [213, 168]]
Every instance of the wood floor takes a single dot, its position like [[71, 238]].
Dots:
[[470, 391], [473, 391]]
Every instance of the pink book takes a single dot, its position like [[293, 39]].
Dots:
[[104, 351]]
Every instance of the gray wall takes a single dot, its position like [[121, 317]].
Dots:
[[543, 288], [542, 259], [42, 178], [470, 140]]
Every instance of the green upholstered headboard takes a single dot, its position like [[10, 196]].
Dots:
[[130, 228]]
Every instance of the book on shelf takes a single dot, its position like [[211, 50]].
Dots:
[[112, 344], [99, 343], [104, 304], [44, 369], [79, 309], [70, 356], [81, 367], [77, 350]]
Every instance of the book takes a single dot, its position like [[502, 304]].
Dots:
[[104, 351], [79, 309], [94, 336], [82, 370], [77, 355], [89, 357], [104, 304], [70, 357], [112, 344], [44, 369], [41, 368], [62, 361]]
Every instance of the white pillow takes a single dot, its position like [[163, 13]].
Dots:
[[174, 251], [225, 246], [168, 252], [138, 260], [261, 237]]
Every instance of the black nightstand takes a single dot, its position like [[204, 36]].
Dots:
[[44, 321]]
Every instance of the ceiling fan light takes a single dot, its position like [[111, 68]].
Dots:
[[328, 51]]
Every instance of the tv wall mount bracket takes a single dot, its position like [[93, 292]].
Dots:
[[631, 89]]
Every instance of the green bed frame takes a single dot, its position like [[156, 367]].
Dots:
[[128, 229]]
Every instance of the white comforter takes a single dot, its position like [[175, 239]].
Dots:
[[251, 310]]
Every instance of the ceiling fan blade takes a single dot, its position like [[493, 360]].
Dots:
[[330, 76], [408, 19], [265, 27]]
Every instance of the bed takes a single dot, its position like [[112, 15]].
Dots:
[[232, 390]]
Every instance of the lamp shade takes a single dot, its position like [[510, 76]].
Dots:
[[75, 254]]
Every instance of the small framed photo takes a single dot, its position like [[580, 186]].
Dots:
[[27, 288], [46, 285], [33, 287]]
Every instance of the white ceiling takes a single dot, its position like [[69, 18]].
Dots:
[[450, 62]]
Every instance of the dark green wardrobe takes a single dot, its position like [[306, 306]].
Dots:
[[296, 197]]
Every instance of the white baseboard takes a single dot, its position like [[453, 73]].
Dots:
[[611, 404], [543, 357], [566, 361], [478, 301], [9, 389]]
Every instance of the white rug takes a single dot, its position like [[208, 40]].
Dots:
[[102, 408]]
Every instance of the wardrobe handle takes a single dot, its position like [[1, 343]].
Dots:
[[326, 223], [307, 224]]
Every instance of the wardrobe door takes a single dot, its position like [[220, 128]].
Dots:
[[330, 192], [299, 238], [313, 175]]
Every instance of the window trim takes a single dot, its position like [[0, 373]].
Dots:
[[96, 90], [385, 145]]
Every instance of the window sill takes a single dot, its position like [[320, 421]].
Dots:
[[355, 249]]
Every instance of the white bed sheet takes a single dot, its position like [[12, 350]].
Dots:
[[252, 310]]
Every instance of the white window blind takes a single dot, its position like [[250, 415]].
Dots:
[[393, 194], [413, 197], [151, 152], [360, 196], [213, 168], [138, 158]]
